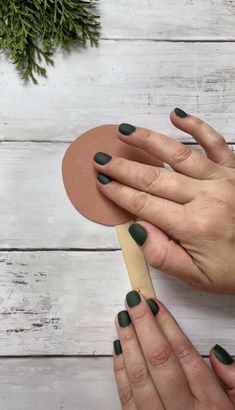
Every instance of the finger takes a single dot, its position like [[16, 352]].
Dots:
[[167, 215], [181, 157], [141, 383], [224, 366], [155, 180], [163, 365], [123, 385], [213, 143], [165, 254], [200, 378]]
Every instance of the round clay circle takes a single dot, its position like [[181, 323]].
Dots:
[[80, 176]]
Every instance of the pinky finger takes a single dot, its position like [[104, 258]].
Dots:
[[224, 366], [122, 381], [213, 143]]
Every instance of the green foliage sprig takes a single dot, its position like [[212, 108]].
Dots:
[[30, 30]]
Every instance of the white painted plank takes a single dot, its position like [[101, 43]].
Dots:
[[121, 81], [168, 19], [34, 209], [65, 302], [58, 384]]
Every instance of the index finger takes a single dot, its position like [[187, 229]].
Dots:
[[179, 156]]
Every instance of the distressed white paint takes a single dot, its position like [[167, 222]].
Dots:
[[58, 384], [121, 81], [168, 19], [65, 302], [34, 209]]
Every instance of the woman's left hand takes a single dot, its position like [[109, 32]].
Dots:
[[156, 366]]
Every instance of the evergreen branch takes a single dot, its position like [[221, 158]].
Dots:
[[31, 30]]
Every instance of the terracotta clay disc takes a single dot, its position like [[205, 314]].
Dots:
[[79, 174]]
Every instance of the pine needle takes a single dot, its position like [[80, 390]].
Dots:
[[30, 31]]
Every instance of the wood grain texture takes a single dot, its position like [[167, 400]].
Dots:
[[121, 81], [58, 384], [64, 303], [168, 19], [34, 209]]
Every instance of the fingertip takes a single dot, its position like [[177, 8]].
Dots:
[[220, 355]]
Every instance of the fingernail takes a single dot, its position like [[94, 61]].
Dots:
[[117, 347], [104, 179], [133, 298], [126, 129], [222, 355], [123, 318], [180, 113], [138, 233], [101, 158], [153, 306]]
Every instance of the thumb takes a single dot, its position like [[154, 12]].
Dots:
[[163, 253], [224, 366]]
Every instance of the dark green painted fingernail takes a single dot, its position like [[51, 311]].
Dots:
[[133, 298], [153, 306], [123, 318], [117, 347], [222, 355], [104, 179], [101, 158], [126, 129], [138, 233], [180, 113]]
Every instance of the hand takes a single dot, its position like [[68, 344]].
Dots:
[[156, 366], [187, 225]]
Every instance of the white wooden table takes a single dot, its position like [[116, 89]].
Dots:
[[62, 278]]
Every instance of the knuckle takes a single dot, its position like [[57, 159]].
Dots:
[[118, 365], [118, 162], [139, 375], [182, 153], [117, 189], [125, 395], [201, 226], [182, 350], [140, 314], [159, 259], [149, 178], [159, 355], [147, 139], [196, 122], [217, 140], [140, 200]]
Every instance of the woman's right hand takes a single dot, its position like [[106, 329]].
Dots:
[[186, 223]]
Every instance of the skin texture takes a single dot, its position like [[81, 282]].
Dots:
[[160, 369], [188, 212]]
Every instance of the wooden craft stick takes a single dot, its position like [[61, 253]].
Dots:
[[135, 262]]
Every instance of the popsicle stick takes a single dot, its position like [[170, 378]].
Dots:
[[135, 262]]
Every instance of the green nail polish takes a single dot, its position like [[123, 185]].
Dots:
[[117, 347], [126, 129], [138, 233], [222, 355], [104, 179], [133, 298], [101, 158], [153, 306], [123, 318], [180, 113]]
